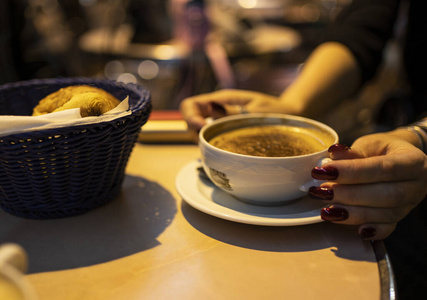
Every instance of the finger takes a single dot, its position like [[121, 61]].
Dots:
[[199, 106], [232, 102], [368, 146], [223, 97], [376, 231], [194, 113], [236, 109], [385, 195], [264, 105], [356, 215], [216, 104], [240, 102], [385, 168], [217, 110], [359, 149]]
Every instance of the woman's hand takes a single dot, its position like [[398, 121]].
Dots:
[[226, 102], [375, 184]]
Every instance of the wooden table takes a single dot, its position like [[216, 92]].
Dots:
[[150, 244]]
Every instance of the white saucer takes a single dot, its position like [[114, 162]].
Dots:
[[203, 195]]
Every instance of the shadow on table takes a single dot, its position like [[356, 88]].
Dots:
[[341, 239], [127, 225]]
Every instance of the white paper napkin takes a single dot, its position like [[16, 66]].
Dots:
[[70, 117]]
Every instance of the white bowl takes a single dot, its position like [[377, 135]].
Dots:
[[263, 180]]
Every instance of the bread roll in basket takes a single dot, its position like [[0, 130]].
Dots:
[[92, 101]]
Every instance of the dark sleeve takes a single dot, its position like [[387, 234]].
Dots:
[[364, 27]]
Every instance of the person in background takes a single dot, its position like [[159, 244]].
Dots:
[[381, 180], [25, 27], [10, 33]]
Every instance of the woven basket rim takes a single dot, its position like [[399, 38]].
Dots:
[[144, 102], [76, 81]]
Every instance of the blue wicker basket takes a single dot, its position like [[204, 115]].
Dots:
[[66, 171]]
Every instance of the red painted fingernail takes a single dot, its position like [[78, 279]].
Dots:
[[326, 173], [338, 147], [367, 232], [334, 214], [217, 108], [324, 193]]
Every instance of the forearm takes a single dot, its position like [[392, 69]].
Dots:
[[330, 75]]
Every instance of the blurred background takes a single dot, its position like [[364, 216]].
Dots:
[[179, 48]]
